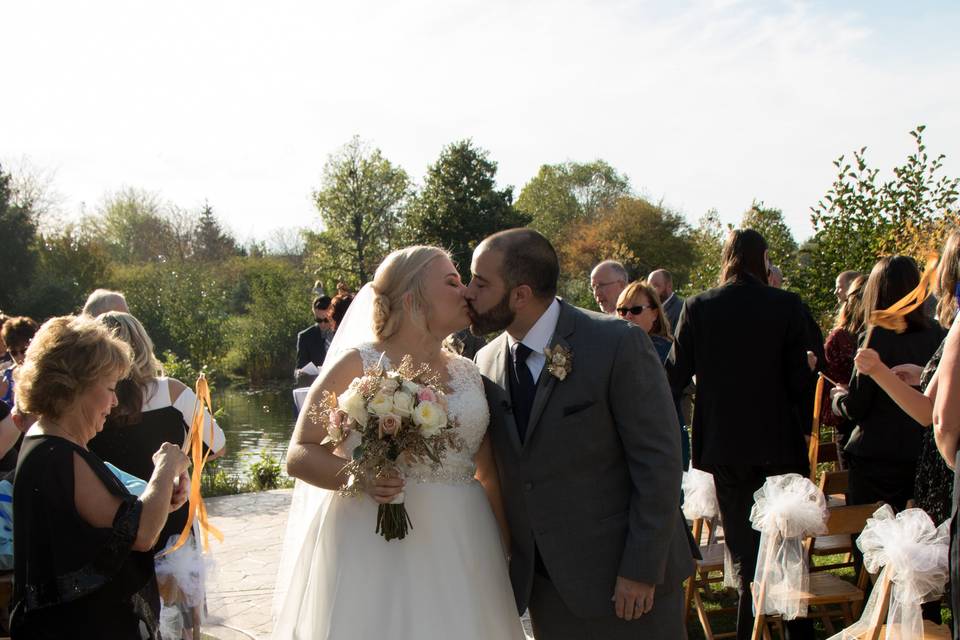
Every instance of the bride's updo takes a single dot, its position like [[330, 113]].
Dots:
[[400, 274]]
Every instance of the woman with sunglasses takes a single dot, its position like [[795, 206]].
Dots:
[[639, 303]]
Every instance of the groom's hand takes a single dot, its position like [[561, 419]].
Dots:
[[632, 599]]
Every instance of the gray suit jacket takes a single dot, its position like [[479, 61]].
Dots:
[[672, 309], [596, 485]]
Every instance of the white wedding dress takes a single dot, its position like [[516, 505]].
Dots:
[[446, 580]]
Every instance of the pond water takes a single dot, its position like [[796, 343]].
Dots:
[[256, 420]]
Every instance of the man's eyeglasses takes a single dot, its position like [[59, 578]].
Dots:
[[601, 285], [637, 310]]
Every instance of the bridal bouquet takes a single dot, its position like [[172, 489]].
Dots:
[[401, 416]]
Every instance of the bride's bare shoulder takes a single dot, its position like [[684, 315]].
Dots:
[[341, 372]]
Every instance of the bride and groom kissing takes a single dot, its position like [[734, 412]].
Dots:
[[566, 488]]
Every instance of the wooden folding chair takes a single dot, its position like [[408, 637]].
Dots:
[[825, 589], [834, 485], [878, 629], [705, 574]]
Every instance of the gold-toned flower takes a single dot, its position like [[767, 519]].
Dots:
[[559, 361]]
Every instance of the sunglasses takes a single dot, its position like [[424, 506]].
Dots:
[[637, 310], [323, 321]]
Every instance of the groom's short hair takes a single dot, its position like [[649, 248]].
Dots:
[[528, 258]]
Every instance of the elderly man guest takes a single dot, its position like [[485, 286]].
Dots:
[[662, 282], [104, 300], [607, 280]]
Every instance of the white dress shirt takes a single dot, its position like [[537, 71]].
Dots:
[[538, 339]]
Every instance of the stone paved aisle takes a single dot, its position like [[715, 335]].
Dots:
[[240, 585]]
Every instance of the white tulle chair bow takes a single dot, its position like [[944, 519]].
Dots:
[[787, 509], [910, 553], [699, 495]]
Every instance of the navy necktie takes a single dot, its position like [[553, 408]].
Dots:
[[524, 389]]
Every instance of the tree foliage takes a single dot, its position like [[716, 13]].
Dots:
[[210, 242], [565, 194], [360, 200], [707, 239], [861, 219], [642, 235], [460, 204], [17, 246]]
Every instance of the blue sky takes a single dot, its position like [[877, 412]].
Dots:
[[702, 104]]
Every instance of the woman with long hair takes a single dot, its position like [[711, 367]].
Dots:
[[884, 447], [151, 409], [839, 349]]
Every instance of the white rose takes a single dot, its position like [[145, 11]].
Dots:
[[411, 387], [403, 404], [352, 402], [382, 404], [389, 385], [430, 417]]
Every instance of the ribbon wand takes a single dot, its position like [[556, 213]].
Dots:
[[193, 447]]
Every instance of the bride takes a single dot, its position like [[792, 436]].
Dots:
[[339, 579]]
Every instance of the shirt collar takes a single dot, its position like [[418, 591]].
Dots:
[[541, 333], [672, 296]]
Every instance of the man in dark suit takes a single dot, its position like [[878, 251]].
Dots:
[[662, 282], [588, 453], [313, 341], [746, 343]]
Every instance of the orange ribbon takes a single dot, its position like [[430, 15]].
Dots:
[[814, 451], [193, 447], [894, 317]]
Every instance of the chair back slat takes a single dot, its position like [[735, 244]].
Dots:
[[850, 519]]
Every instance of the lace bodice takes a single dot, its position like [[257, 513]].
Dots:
[[467, 410]]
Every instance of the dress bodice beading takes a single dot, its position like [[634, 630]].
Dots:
[[467, 409]]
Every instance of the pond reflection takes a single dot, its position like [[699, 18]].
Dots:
[[256, 420]]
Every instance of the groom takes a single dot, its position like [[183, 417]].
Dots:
[[588, 451]]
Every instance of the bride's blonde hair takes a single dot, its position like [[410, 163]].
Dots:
[[401, 275]]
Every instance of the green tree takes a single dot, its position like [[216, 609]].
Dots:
[[70, 265], [360, 200], [770, 224], [17, 246], [861, 219], [707, 239], [460, 205], [133, 226], [210, 242], [569, 193]]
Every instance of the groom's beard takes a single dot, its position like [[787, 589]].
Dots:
[[498, 318]]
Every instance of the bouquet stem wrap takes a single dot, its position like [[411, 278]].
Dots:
[[911, 555], [787, 509]]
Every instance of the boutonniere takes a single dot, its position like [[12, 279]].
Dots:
[[559, 361]]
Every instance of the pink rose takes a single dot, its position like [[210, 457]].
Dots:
[[426, 394], [389, 424]]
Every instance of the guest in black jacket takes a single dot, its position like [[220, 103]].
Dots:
[[746, 342], [312, 342], [884, 447]]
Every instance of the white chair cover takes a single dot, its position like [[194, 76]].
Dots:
[[787, 509], [911, 553]]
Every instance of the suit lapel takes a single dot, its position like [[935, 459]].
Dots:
[[502, 378], [547, 381]]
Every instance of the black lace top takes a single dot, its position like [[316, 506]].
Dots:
[[933, 489], [71, 578]]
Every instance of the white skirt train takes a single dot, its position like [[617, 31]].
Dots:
[[447, 579]]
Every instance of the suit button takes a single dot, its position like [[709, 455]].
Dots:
[[528, 486]]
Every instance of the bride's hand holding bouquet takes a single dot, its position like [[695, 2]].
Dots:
[[401, 418]]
